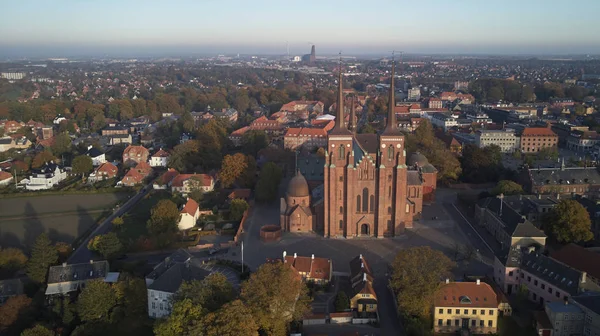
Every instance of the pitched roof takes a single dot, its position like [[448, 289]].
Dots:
[[580, 259], [515, 225], [167, 177], [133, 174], [314, 267], [537, 131], [558, 176], [10, 287], [466, 294], [161, 153], [204, 179], [364, 287], [552, 271], [108, 168], [240, 193], [134, 150], [589, 300], [5, 176], [190, 207]]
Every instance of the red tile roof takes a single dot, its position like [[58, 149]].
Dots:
[[317, 268], [537, 131], [204, 179], [480, 296], [161, 153], [579, 258], [143, 168], [306, 132], [133, 176], [190, 207], [134, 150], [168, 176], [108, 168], [5, 176]]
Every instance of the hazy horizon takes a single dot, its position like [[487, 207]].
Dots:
[[38, 28]]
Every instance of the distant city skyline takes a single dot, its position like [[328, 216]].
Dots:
[[43, 28]]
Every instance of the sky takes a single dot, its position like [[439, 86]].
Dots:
[[86, 27]]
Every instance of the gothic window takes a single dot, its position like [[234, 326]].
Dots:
[[372, 203], [390, 191], [390, 153], [365, 196], [341, 152], [389, 210], [358, 203], [341, 210], [341, 225]]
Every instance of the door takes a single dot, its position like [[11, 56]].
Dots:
[[465, 323], [364, 230]]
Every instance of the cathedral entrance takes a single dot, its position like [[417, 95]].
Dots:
[[365, 230]]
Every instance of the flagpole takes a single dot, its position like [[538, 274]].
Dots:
[[242, 256]]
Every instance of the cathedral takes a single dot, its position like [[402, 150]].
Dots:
[[370, 187]]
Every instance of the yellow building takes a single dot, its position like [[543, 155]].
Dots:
[[465, 305], [364, 300]]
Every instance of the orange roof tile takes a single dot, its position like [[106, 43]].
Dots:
[[134, 150], [455, 294], [5, 176], [536, 131], [161, 153], [317, 268], [190, 207], [204, 179]]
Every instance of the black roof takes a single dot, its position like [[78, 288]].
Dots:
[[174, 276], [590, 300], [566, 176], [10, 287], [413, 177], [5, 141], [515, 225], [552, 271], [94, 152], [78, 272], [368, 142]]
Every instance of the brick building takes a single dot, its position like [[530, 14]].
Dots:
[[308, 138], [133, 155], [535, 138], [368, 188]]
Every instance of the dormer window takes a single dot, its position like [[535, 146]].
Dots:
[[465, 300]]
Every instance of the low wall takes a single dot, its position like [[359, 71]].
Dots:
[[270, 233], [363, 320]]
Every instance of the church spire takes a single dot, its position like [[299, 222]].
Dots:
[[351, 125], [391, 119], [339, 117]]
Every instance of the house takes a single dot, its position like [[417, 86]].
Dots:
[[311, 269], [5, 178], [65, 278], [186, 183], [11, 126], [533, 139], [159, 159], [132, 178], [164, 181], [189, 214], [580, 259], [166, 278], [363, 298], [565, 319], [133, 155], [303, 137], [46, 177], [115, 129], [98, 157], [116, 139], [143, 168], [10, 142], [465, 305], [590, 305], [240, 194], [10, 288], [105, 171]]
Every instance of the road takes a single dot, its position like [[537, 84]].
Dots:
[[82, 253]]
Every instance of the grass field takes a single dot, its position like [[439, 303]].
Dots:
[[62, 217]]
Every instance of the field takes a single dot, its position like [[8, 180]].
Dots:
[[63, 217]]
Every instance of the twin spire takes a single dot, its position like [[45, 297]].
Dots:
[[391, 127]]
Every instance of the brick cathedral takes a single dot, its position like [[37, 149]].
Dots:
[[368, 188]]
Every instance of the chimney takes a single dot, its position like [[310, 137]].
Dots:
[[295, 255], [365, 277], [583, 277], [478, 282], [362, 265], [284, 254], [447, 281], [91, 261], [360, 256], [64, 264], [539, 196], [89, 147], [312, 257], [557, 196]]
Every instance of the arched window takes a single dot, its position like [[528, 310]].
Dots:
[[390, 153], [341, 225], [365, 196], [390, 191], [358, 203], [389, 210], [372, 203], [341, 210], [341, 152]]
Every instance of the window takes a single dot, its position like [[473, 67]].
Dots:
[[483, 312], [550, 290], [449, 311], [490, 323], [389, 210], [440, 322], [456, 322], [153, 305], [341, 152], [448, 323], [543, 286], [365, 199], [557, 294], [161, 306], [358, 203], [510, 273], [441, 311], [458, 311], [491, 312], [390, 191], [341, 210], [481, 323], [474, 312], [390, 152], [466, 311], [473, 323], [528, 279], [341, 225], [535, 282], [372, 203]]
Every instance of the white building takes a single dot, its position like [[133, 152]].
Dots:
[[414, 93], [97, 156], [159, 159], [189, 215], [505, 139], [46, 177], [566, 318], [64, 279], [443, 121]]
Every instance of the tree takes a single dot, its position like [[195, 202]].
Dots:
[[12, 259], [254, 141], [41, 158], [507, 187], [569, 222], [268, 182], [416, 276], [276, 296], [62, 144], [481, 165], [13, 309], [82, 164], [342, 303], [43, 255], [237, 209], [96, 301], [38, 330], [118, 221], [162, 225], [185, 316], [187, 122], [210, 293], [232, 319], [108, 245], [368, 129], [232, 168]]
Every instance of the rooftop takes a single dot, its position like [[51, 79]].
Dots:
[[466, 294]]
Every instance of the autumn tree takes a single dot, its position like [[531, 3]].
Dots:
[[108, 245], [162, 224], [12, 310], [276, 296], [210, 293], [41, 158], [507, 187], [118, 221], [12, 259], [62, 144], [268, 182], [82, 164], [253, 141], [481, 165], [184, 319], [96, 301], [569, 222], [232, 319], [232, 168], [416, 276], [237, 209], [187, 122], [43, 255], [38, 330]]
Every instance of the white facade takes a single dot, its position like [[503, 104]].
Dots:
[[98, 160], [414, 94], [159, 303], [158, 161], [443, 121], [187, 221], [505, 139], [46, 178], [566, 319]]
